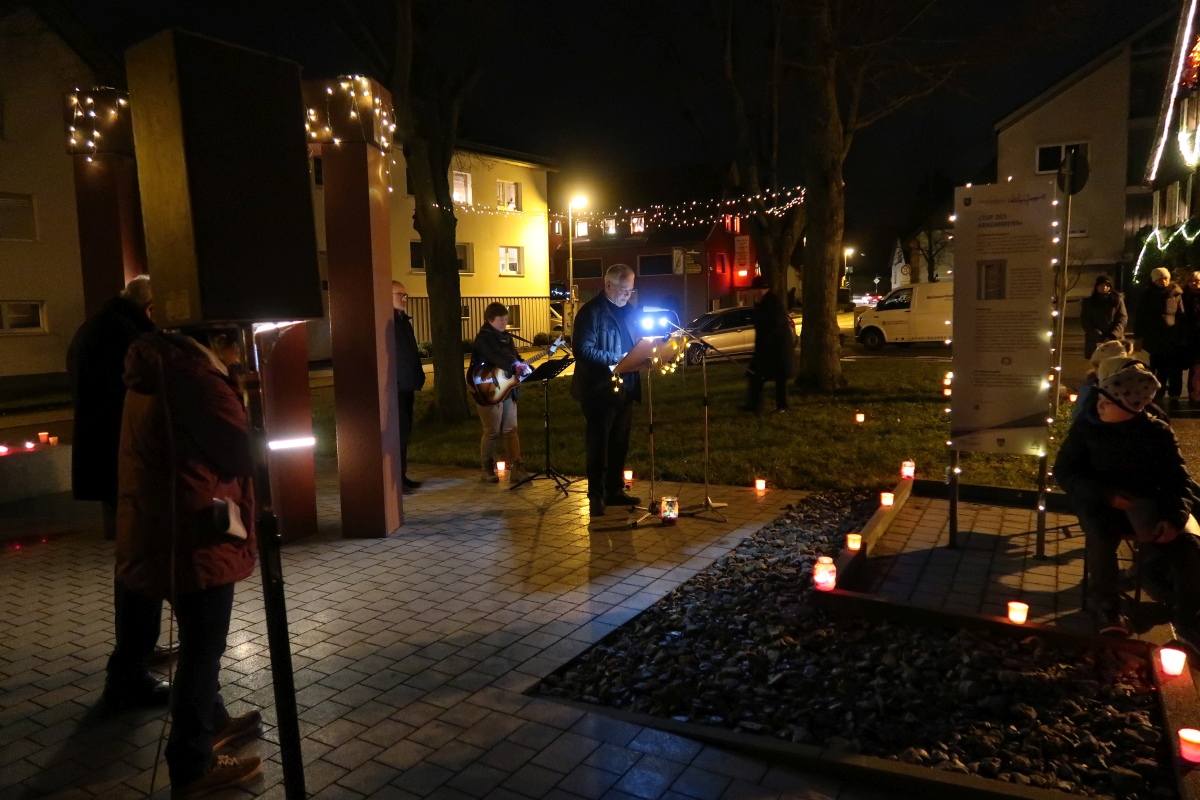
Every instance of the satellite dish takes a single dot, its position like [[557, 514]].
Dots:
[[1079, 173]]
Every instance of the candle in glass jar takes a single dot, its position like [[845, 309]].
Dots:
[[1018, 612], [760, 484], [886, 499], [1173, 661], [860, 417], [908, 470], [1189, 744], [53, 441], [500, 465], [853, 541], [44, 436], [628, 476], [824, 574]]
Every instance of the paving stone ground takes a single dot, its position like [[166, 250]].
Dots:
[[412, 654]]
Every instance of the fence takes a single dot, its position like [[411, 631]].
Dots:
[[527, 315]]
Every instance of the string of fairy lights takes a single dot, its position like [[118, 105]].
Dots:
[[693, 213], [91, 113]]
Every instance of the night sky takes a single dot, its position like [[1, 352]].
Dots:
[[602, 88]]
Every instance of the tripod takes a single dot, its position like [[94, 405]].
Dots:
[[545, 372]]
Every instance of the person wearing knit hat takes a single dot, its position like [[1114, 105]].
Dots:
[[1105, 350], [1159, 325], [1191, 337], [1125, 478], [1102, 315]]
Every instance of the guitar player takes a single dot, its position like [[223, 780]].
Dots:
[[494, 347]]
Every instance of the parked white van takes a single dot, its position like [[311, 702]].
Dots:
[[922, 312]]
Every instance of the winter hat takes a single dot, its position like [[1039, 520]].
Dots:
[[1102, 280], [1128, 383], [1160, 272], [1115, 348]]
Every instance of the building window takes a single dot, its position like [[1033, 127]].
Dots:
[[510, 261], [416, 258], [1050, 156], [461, 187], [22, 316], [17, 220], [722, 263], [588, 268], [508, 195], [558, 227], [514, 317], [318, 171], [637, 225], [655, 265], [581, 228], [466, 311], [610, 227]]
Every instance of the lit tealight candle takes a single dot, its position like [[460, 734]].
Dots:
[[1173, 661], [1018, 612], [1072, 397], [853, 541], [1189, 744], [760, 484], [628, 476], [908, 470], [860, 417], [53, 441], [887, 499], [500, 465], [44, 436]]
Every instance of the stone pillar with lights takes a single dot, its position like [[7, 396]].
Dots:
[[112, 246], [350, 123]]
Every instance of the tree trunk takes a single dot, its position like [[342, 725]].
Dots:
[[824, 200]]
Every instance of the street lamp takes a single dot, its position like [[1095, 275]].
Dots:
[[579, 201], [849, 251]]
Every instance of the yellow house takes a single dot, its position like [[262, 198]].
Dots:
[[500, 202]]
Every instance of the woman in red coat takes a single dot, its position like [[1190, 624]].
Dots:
[[185, 531]]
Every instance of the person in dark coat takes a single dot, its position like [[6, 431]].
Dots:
[[186, 532], [1125, 477], [410, 375], [95, 365], [1191, 311], [774, 343], [1159, 327], [1102, 315], [604, 333], [493, 347]]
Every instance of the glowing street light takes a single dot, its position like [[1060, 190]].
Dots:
[[849, 251]]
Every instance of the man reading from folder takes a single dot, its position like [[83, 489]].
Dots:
[[604, 332]]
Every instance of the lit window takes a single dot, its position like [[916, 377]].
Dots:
[[22, 316], [558, 227], [581, 228], [637, 225], [510, 261], [462, 187], [610, 227], [508, 195], [17, 220]]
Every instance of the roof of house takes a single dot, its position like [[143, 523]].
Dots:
[[512, 156], [1168, 18], [109, 68]]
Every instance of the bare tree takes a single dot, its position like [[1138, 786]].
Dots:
[[421, 53]]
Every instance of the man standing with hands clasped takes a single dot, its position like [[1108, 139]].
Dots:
[[410, 376], [604, 333]]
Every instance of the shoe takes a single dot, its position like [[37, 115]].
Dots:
[[490, 476], [517, 473], [1111, 622], [596, 508], [226, 773], [408, 483], [622, 499], [782, 410], [238, 730], [146, 693], [161, 655]]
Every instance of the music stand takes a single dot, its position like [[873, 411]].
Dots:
[[546, 371], [642, 354]]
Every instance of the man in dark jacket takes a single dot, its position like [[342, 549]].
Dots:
[[1120, 465], [1159, 328], [493, 347], [410, 375], [774, 342], [1102, 315], [186, 532], [604, 333], [95, 364]]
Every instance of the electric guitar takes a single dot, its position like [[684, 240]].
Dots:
[[490, 384]]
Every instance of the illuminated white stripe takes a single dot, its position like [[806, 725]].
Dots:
[[1181, 58], [292, 444]]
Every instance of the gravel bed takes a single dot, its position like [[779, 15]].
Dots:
[[738, 647]]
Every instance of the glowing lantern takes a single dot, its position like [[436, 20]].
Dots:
[[1072, 397], [53, 441], [760, 484], [824, 574], [860, 417], [669, 509], [1189, 744], [628, 476], [1173, 661], [1018, 612], [887, 499], [500, 466], [853, 541], [908, 470], [43, 436]]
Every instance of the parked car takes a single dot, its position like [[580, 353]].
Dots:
[[729, 330], [923, 312]]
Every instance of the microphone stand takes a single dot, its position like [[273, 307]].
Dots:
[[709, 505]]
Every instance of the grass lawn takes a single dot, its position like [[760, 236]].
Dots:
[[815, 445]]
